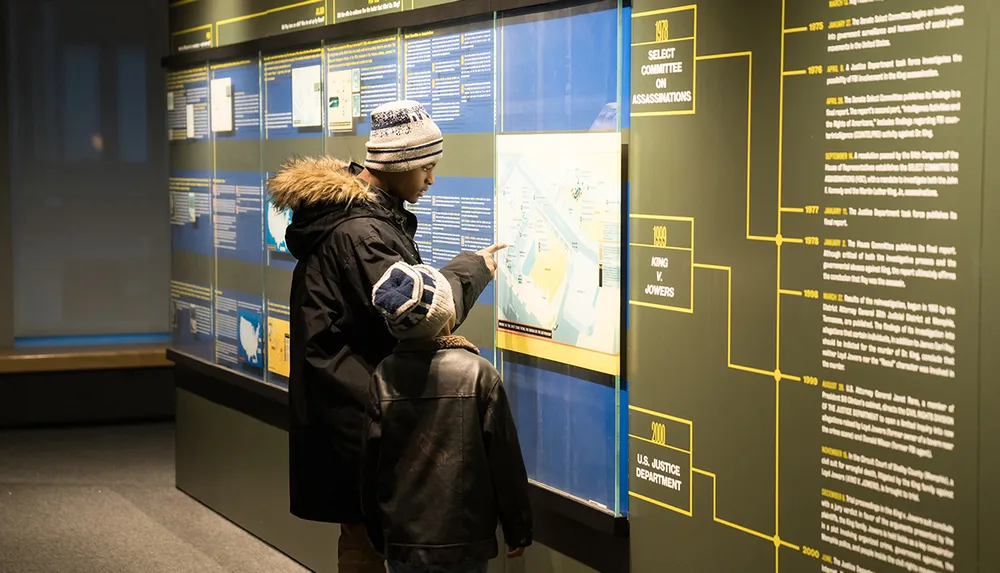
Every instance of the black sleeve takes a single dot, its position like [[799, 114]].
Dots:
[[510, 479], [469, 276], [371, 447], [467, 273]]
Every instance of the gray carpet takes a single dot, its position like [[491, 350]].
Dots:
[[94, 500]]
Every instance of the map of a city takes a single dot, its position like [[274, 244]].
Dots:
[[559, 210]]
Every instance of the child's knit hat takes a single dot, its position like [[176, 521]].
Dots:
[[403, 137], [415, 299]]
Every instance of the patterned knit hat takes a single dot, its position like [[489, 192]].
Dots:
[[416, 301], [404, 137]]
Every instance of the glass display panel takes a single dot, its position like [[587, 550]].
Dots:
[[294, 104], [360, 76], [450, 70], [559, 174], [237, 199], [192, 233]]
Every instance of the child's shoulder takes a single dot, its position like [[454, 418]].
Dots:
[[473, 359]]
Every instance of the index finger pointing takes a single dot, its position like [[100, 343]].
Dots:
[[496, 247]]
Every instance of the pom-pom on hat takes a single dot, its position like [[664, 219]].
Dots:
[[416, 301], [403, 137]]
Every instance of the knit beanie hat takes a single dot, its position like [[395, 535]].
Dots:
[[403, 137], [416, 301]]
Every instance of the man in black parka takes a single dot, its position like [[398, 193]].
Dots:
[[349, 225]]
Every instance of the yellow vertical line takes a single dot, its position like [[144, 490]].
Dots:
[[500, 80], [333, 12], [781, 114], [694, 73], [715, 498], [777, 320], [211, 196], [749, 112], [729, 319], [692, 273], [777, 440], [691, 447], [777, 392]]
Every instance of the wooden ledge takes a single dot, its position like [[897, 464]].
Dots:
[[29, 360]]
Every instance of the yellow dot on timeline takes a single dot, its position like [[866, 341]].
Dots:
[[778, 239], [777, 541], [777, 375]]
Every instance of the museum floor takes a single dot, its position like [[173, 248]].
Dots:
[[102, 499]]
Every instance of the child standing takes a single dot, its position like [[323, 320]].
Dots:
[[441, 461]]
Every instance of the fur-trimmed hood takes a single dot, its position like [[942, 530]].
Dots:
[[309, 181], [323, 192]]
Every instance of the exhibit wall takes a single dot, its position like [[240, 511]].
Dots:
[[761, 228], [528, 104], [808, 258]]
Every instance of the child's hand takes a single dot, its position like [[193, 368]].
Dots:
[[515, 552]]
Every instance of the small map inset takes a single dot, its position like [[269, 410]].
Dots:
[[307, 96], [278, 221], [278, 352], [250, 339], [559, 209]]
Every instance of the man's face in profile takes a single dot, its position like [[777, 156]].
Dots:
[[411, 185]]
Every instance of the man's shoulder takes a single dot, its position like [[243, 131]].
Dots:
[[362, 227]]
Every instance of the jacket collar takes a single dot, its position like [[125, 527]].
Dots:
[[436, 344], [394, 205]]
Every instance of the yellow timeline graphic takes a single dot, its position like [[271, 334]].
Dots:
[[210, 31], [674, 237]]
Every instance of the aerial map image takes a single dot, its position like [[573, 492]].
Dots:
[[559, 210]]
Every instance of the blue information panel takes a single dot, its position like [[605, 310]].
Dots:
[[450, 71], [360, 77], [277, 344], [239, 331], [560, 74], [237, 198], [191, 319], [187, 105], [580, 457], [235, 101], [294, 94], [191, 212], [455, 215]]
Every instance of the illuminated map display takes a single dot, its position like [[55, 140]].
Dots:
[[559, 210]]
